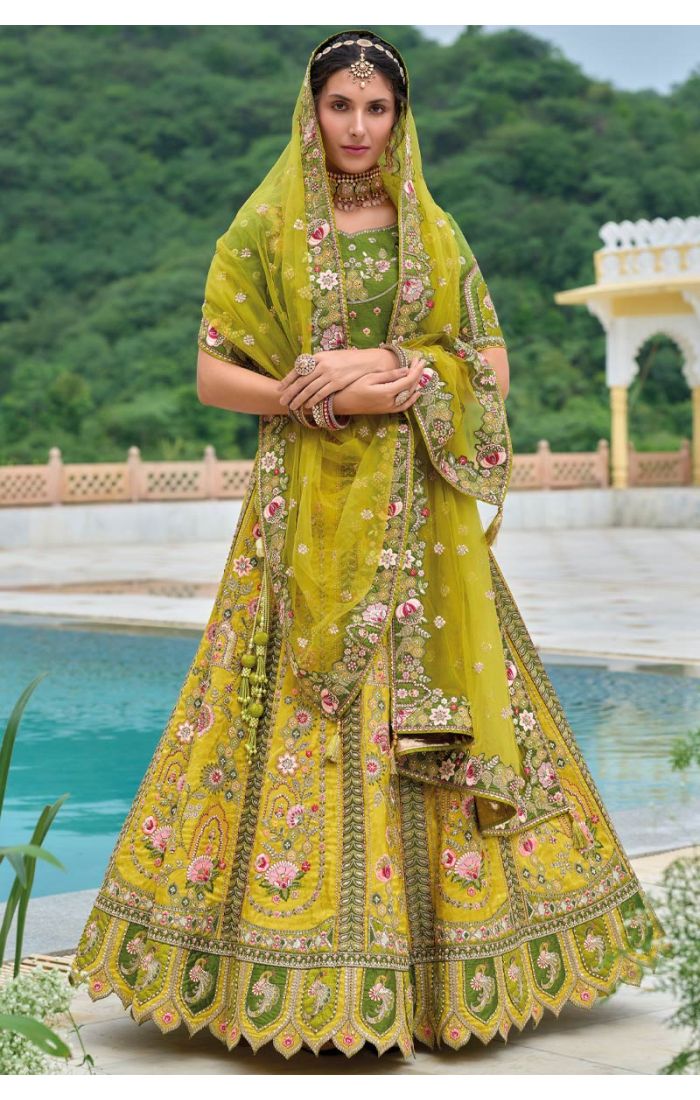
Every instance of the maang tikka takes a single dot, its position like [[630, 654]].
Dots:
[[362, 70]]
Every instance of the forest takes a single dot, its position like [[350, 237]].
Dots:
[[126, 151]]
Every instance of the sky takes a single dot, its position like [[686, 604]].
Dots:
[[630, 57]]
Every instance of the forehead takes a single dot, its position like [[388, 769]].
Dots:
[[342, 83]]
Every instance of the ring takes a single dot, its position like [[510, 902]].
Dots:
[[305, 364], [402, 396]]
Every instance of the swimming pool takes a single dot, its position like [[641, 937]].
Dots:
[[92, 725]]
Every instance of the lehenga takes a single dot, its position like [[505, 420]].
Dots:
[[293, 899]]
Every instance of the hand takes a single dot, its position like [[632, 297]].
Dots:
[[334, 370], [375, 393]]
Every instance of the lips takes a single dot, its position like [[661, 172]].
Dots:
[[356, 148]]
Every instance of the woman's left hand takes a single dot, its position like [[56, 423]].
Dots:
[[333, 371]]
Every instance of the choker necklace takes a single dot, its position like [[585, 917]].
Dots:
[[360, 189]]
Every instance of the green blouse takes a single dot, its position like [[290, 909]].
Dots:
[[370, 265]]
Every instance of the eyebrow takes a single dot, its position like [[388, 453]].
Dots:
[[337, 95]]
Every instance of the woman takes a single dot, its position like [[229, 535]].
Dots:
[[367, 818]]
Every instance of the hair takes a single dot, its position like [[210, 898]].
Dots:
[[342, 57]]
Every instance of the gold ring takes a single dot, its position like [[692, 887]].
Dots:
[[305, 364]]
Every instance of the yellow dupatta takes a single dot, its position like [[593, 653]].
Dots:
[[339, 511]]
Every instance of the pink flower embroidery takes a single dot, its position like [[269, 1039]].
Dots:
[[200, 869], [408, 608], [332, 338], [468, 866], [319, 232], [411, 289]]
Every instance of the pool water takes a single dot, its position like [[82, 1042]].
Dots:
[[92, 725]]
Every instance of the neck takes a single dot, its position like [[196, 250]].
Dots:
[[350, 190]]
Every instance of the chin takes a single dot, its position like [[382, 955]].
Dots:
[[350, 164]]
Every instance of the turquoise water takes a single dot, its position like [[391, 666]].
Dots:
[[91, 727]]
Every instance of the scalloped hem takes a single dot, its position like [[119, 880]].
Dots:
[[483, 1005]]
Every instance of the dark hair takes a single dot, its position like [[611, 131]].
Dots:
[[341, 57]]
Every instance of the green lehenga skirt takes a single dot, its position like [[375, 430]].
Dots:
[[292, 898]]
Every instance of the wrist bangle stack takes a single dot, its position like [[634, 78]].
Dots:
[[300, 416], [326, 418]]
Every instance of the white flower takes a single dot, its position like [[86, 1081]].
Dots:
[[439, 621], [505, 713], [478, 666], [438, 548], [328, 279], [263, 208], [388, 557], [333, 628], [302, 548], [490, 594], [298, 224], [303, 642], [268, 461], [462, 549], [248, 339], [240, 297], [367, 513], [440, 716], [245, 253]]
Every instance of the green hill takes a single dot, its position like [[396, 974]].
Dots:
[[126, 151]]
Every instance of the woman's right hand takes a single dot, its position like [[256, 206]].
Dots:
[[375, 393]]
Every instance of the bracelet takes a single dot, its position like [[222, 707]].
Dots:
[[334, 421], [400, 353], [300, 417]]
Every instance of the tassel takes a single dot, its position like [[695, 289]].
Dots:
[[579, 838], [393, 770], [253, 662], [494, 526], [333, 748]]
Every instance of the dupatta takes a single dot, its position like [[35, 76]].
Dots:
[[341, 513]]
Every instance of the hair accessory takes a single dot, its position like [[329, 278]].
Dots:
[[364, 43], [350, 190], [362, 70]]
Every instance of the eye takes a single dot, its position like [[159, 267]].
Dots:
[[338, 103], [378, 109]]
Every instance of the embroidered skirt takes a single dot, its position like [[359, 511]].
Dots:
[[290, 897]]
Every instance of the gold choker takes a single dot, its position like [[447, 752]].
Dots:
[[361, 189]]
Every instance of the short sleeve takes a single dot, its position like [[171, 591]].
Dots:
[[479, 324], [215, 343]]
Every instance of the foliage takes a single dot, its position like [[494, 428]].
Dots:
[[126, 151], [27, 1044], [27, 1000], [680, 973]]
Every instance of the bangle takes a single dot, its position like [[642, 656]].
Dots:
[[325, 417], [400, 353], [300, 416], [333, 420]]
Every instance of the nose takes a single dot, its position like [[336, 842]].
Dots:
[[357, 126]]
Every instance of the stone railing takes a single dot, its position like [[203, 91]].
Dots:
[[644, 250], [213, 479]]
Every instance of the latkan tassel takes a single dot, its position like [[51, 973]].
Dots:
[[393, 770], [253, 676], [494, 526], [578, 836], [333, 748]]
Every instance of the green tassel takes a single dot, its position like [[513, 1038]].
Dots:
[[494, 526], [581, 841], [333, 748], [254, 662]]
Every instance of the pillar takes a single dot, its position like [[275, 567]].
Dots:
[[619, 445], [695, 391]]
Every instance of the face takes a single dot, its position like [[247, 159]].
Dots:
[[355, 122]]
